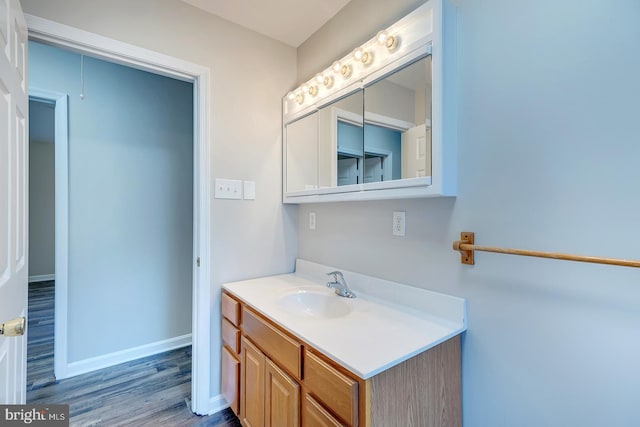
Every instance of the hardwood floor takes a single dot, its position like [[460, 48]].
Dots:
[[147, 392]]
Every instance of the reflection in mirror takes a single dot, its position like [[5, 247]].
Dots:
[[302, 154], [397, 128], [341, 133]]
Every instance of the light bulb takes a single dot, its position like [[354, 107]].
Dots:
[[300, 98], [345, 70], [387, 40], [336, 67], [363, 56], [328, 81], [313, 90]]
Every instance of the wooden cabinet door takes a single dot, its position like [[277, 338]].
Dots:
[[230, 379], [282, 398], [316, 416], [252, 385]]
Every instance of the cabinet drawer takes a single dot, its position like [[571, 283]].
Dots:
[[283, 350], [231, 309], [231, 336], [230, 379], [334, 389], [316, 416]]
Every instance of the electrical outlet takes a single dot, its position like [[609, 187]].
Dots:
[[312, 220], [399, 223]]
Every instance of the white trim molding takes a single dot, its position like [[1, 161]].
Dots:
[[61, 150], [217, 404], [123, 356], [42, 278], [61, 35]]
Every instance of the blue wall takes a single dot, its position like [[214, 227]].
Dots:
[[389, 140], [350, 137], [130, 201]]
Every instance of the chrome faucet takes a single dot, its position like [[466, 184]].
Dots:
[[340, 285]]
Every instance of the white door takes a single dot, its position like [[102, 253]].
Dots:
[[416, 152], [13, 198]]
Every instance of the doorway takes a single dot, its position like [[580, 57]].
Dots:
[[130, 208], [101, 47], [41, 190]]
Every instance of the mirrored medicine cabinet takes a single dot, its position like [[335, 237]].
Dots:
[[380, 136]]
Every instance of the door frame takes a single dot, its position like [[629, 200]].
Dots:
[[61, 184], [53, 33]]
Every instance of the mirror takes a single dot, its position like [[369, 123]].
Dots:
[[302, 154], [397, 125], [339, 145], [341, 142]]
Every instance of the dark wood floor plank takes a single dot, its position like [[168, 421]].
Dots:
[[152, 391]]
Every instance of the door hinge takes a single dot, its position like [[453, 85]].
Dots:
[[198, 261]]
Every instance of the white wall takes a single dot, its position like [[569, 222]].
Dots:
[[130, 202], [249, 239], [41, 190], [548, 152]]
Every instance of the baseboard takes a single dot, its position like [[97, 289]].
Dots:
[[217, 404], [122, 356], [42, 278]]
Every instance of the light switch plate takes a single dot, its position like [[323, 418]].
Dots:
[[249, 190], [228, 189]]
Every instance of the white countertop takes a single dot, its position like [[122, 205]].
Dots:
[[388, 322]]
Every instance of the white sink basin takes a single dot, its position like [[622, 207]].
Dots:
[[314, 302]]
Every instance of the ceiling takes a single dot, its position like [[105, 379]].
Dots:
[[289, 21]]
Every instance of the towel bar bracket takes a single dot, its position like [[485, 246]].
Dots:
[[466, 256]]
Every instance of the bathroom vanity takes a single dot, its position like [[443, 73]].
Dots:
[[296, 354]]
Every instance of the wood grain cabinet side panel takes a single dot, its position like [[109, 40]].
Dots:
[[231, 379], [252, 385], [231, 309], [314, 415], [283, 350], [424, 391], [334, 389], [282, 398]]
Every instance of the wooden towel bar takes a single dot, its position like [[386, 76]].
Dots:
[[466, 247]]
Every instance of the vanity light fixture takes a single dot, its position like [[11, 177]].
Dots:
[[361, 55], [387, 40], [326, 81]]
